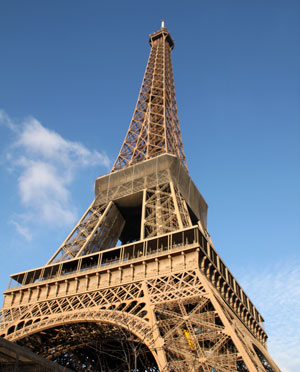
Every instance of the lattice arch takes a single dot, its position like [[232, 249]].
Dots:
[[127, 325]]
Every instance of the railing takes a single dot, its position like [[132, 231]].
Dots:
[[134, 252], [222, 270], [118, 255]]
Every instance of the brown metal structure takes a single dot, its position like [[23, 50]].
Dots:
[[154, 128], [18, 359], [138, 284]]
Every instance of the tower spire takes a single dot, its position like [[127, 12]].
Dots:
[[154, 127]]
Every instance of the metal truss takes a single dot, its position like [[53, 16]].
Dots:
[[154, 128], [178, 317], [16, 358], [98, 229], [164, 210]]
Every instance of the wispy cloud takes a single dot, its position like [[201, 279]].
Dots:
[[39, 141], [45, 164], [276, 293], [22, 230], [7, 121]]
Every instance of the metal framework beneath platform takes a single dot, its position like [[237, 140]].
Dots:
[[19, 359]]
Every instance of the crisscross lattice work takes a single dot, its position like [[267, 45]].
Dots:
[[164, 210], [178, 316], [183, 209], [170, 287], [194, 336], [98, 229], [154, 128], [104, 299], [84, 346]]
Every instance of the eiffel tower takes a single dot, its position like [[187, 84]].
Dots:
[[138, 284]]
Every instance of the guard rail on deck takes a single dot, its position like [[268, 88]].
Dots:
[[134, 251], [118, 255]]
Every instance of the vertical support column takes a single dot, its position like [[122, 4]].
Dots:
[[230, 330], [158, 340], [164, 101], [158, 211], [178, 215], [142, 234]]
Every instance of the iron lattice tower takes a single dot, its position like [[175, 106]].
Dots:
[[163, 299]]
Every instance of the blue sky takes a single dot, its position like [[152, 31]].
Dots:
[[70, 73]]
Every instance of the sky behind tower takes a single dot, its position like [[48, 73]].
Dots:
[[70, 73]]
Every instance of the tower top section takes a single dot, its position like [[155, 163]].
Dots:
[[154, 127], [162, 33]]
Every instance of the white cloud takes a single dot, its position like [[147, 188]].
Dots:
[[276, 293], [40, 181], [37, 140], [45, 189], [22, 230], [7, 121], [45, 164]]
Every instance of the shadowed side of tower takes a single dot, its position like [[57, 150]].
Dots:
[[139, 271]]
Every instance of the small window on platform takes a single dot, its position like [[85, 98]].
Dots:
[[163, 243], [177, 239], [189, 236], [128, 253], [69, 267], [89, 262], [152, 246], [32, 276], [50, 272], [138, 250], [111, 257]]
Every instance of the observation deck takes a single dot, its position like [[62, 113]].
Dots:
[[184, 250]]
